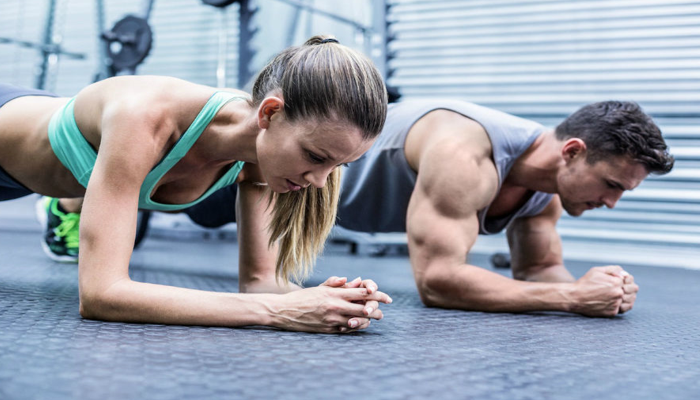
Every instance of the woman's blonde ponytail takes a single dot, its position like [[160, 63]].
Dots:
[[301, 222]]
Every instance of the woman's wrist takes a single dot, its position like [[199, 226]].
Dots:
[[271, 306], [267, 286]]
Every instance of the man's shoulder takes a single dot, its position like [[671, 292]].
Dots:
[[458, 176], [450, 140]]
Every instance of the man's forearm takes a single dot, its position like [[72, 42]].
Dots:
[[468, 287], [550, 273]]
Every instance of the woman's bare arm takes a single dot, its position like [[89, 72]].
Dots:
[[108, 227]]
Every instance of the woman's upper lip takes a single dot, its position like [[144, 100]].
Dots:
[[295, 184]]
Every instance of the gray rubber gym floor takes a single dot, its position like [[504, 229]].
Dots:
[[47, 351]]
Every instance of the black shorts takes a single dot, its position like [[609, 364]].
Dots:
[[10, 188]]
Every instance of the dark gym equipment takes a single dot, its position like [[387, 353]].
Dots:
[[220, 3], [500, 260], [128, 43]]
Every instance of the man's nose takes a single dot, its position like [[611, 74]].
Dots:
[[611, 199]]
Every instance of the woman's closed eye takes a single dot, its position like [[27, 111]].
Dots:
[[315, 158]]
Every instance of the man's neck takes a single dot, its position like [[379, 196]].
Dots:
[[536, 169]]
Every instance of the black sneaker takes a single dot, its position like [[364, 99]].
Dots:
[[61, 235]]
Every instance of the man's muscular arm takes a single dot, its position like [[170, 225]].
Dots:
[[536, 255], [442, 227]]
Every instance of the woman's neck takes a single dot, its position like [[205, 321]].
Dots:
[[234, 133]]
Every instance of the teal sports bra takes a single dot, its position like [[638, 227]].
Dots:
[[76, 153]]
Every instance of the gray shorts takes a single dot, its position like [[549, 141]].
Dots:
[[10, 188]]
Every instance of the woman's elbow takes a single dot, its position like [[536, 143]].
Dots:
[[98, 303], [92, 306]]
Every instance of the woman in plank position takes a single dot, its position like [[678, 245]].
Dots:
[[161, 143]]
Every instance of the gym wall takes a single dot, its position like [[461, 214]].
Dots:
[[185, 37], [539, 59]]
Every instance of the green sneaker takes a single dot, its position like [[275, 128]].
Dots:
[[61, 235]]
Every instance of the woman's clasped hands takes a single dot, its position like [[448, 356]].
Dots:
[[335, 306]]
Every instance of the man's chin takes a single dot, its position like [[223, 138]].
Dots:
[[574, 212]]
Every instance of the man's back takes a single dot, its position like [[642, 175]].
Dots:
[[377, 188]]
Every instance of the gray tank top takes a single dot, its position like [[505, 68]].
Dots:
[[376, 188]]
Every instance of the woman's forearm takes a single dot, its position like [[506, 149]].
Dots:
[[130, 301], [324, 308]]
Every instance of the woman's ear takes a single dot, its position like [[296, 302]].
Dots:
[[269, 108]]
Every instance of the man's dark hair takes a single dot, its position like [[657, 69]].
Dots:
[[618, 128]]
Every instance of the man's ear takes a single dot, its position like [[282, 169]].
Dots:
[[268, 108], [573, 148]]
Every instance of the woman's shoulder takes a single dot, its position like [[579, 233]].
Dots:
[[147, 88], [139, 96]]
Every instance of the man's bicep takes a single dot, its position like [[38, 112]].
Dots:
[[438, 230], [454, 182]]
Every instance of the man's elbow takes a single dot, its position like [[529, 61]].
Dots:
[[431, 290]]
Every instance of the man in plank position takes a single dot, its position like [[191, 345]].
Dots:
[[446, 171]]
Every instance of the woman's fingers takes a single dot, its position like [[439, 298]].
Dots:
[[357, 323], [364, 295], [354, 325], [376, 314], [355, 283], [350, 310], [370, 285], [370, 307], [335, 281]]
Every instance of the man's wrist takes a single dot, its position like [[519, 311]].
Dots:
[[569, 302]]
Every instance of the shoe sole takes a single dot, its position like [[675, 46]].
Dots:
[[53, 256], [43, 220], [40, 210]]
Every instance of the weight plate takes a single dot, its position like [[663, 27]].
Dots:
[[129, 42]]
